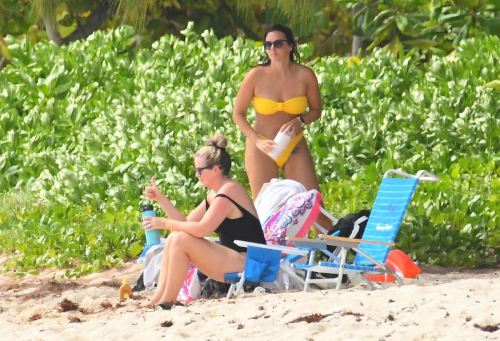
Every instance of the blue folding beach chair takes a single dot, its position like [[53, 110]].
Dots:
[[263, 264], [387, 213]]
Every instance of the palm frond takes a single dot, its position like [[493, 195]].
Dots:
[[45, 10], [298, 14], [133, 12]]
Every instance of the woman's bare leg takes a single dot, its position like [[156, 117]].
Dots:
[[260, 168], [162, 279], [300, 167], [212, 259]]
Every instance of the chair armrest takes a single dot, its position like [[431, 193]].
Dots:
[[216, 240], [315, 244], [328, 215], [212, 239], [353, 241], [284, 249], [430, 176]]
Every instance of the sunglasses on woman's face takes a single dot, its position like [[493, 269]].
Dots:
[[277, 44], [201, 169]]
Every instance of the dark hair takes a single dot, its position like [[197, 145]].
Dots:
[[294, 53], [215, 153]]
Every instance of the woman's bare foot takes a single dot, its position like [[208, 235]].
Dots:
[[169, 305], [148, 304]]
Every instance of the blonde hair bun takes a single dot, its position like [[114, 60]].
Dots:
[[217, 140]]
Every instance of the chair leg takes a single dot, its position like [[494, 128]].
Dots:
[[277, 284], [309, 272], [240, 285], [341, 267], [286, 268], [366, 281], [400, 282], [230, 292]]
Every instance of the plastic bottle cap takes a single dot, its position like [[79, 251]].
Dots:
[[125, 281], [148, 208]]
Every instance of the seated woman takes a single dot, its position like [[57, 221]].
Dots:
[[227, 210]]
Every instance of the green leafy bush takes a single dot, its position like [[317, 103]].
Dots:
[[84, 127]]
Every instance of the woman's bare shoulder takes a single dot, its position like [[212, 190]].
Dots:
[[256, 72], [235, 191], [232, 188], [251, 80], [304, 70]]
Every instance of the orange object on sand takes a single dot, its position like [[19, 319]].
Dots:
[[401, 264], [125, 290]]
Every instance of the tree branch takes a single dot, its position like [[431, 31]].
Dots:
[[94, 21], [1, 62], [4, 58], [334, 32], [238, 22], [357, 41], [52, 31]]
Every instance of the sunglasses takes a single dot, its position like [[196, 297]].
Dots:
[[277, 44], [201, 169]]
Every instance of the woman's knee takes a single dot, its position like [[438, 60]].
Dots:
[[180, 239]]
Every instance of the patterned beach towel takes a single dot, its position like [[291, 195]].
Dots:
[[294, 219]]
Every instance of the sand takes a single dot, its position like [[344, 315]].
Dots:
[[441, 304]]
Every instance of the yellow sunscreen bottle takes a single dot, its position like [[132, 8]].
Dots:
[[125, 290]]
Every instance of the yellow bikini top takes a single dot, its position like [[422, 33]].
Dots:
[[294, 106]]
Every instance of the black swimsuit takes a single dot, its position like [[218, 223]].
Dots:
[[246, 227]]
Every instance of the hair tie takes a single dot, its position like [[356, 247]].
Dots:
[[221, 148]]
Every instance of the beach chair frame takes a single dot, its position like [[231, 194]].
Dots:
[[365, 262], [291, 254]]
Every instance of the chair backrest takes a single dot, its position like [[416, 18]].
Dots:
[[386, 216], [262, 265]]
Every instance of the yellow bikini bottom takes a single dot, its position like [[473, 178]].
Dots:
[[280, 162]]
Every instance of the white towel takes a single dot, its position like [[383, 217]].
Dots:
[[273, 196], [152, 265]]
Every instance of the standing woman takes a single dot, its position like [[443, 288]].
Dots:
[[281, 90], [227, 210]]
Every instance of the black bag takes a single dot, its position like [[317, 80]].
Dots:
[[139, 286], [214, 289], [346, 227]]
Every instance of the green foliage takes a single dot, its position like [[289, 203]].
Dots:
[[15, 18], [85, 126], [431, 26], [387, 113], [304, 17], [435, 26], [66, 237]]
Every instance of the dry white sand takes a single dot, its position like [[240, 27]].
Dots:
[[441, 304]]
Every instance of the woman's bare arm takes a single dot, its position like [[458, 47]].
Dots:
[[313, 97], [171, 211], [198, 213], [154, 193], [307, 76], [220, 208], [241, 104]]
